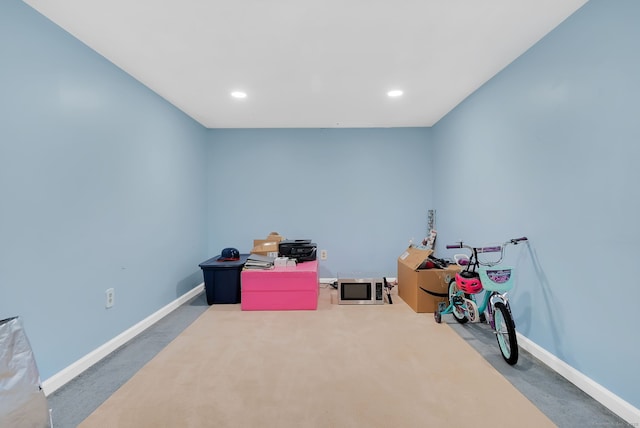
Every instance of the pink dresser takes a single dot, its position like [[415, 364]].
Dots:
[[280, 288]]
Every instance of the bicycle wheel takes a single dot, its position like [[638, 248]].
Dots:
[[506, 333], [458, 309]]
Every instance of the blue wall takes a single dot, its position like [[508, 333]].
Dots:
[[102, 185], [360, 194], [549, 149]]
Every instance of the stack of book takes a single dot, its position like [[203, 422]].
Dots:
[[256, 261]]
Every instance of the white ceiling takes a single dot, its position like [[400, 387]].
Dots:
[[310, 64]]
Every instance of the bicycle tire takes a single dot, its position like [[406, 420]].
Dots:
[[506, 333], [457, 311]]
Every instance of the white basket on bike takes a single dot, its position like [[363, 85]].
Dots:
[[497, 278]]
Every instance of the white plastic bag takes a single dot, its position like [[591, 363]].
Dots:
[[22, 401]]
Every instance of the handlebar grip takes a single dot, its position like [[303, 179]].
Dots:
[[458, 245], [524, 238]]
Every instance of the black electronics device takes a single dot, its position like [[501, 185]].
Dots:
[[302, 250]]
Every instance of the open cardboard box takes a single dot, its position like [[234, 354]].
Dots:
[[411, 279], [267, 247], [272, 237]]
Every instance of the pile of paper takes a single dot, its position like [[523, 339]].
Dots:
[[256, 261]]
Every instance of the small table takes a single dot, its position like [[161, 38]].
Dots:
[[280, 288]]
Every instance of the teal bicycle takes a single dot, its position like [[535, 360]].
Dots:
[[495, 281]]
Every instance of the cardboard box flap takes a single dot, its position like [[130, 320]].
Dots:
[[413, 257]]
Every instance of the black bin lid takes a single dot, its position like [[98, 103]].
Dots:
[[214, 263]]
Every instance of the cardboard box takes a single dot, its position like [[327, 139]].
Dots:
[[268, 246], [272, 237], [411, 280], [266, 249]]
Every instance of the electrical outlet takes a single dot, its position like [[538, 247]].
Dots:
[[323, 254], [110, 293]]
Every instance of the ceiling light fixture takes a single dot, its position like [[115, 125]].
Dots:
[[395, 93], [239, 94]]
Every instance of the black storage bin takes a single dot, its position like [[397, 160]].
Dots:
[[222, 279]]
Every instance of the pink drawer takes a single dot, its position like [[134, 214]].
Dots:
[[280, 288]]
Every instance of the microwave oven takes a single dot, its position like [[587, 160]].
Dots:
[[360, 291]]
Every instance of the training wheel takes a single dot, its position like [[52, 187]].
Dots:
[[438, 316]]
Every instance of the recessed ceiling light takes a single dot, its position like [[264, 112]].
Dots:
[[239, 94], [395, 93]]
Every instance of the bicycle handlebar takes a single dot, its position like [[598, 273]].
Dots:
[[474, 259], [514, 241]]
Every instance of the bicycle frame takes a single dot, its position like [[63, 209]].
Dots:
[[487, 304]]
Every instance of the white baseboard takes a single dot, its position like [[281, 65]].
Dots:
[[607, 398], [59, 379]]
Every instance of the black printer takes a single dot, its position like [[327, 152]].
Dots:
[[302, 250]]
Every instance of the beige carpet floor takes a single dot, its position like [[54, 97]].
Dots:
[[340, 366]]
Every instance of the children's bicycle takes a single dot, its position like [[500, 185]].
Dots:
[[483, 275]]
